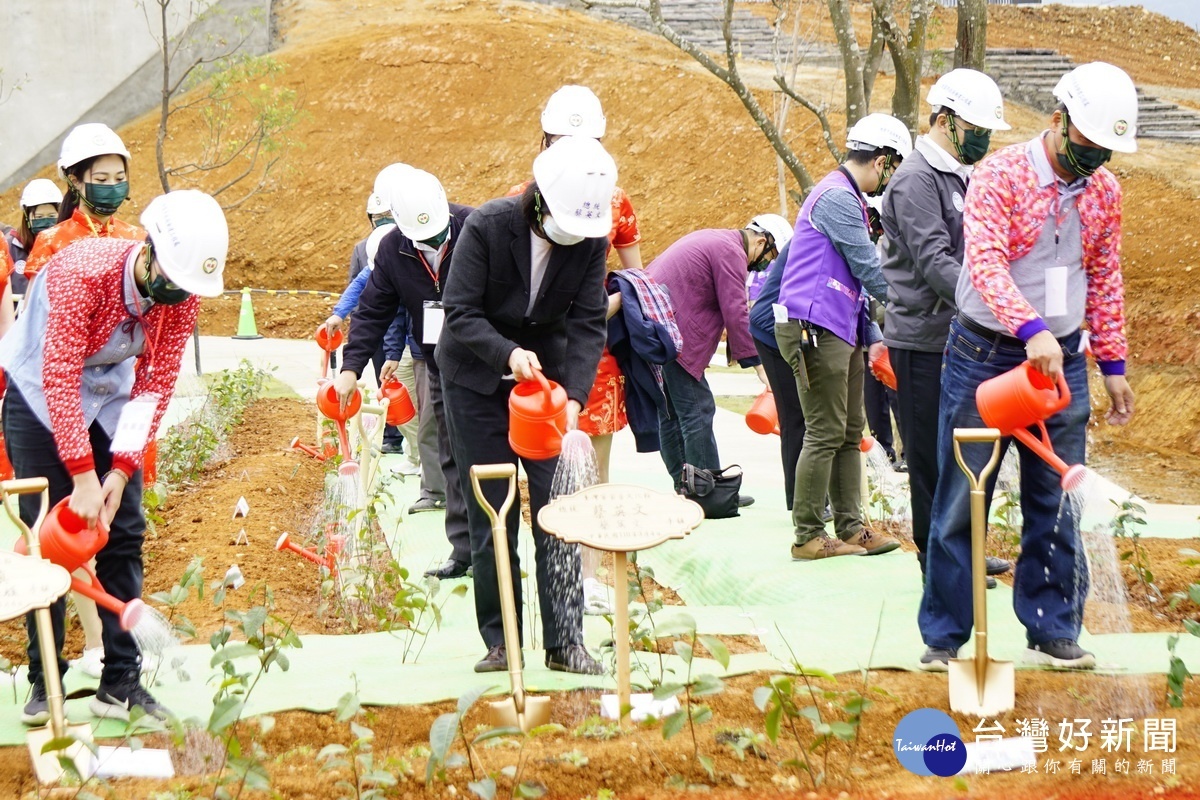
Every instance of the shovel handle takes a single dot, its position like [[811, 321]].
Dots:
[[977, 435]]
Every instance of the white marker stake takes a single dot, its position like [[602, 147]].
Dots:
[[241, 538], [242, 508]]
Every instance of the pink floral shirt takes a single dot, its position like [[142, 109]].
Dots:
[[1008, 206]]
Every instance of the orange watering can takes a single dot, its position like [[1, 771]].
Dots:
[[327, 402], [66, 540], [763, 417], [1023, 398], [537, 417], [328, 561], [325, 341], [400, 404], [882, 369]]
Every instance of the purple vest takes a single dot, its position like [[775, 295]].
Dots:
[[817, 284]]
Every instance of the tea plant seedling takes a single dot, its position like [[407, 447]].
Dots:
[[368, 780], [1127, 526]]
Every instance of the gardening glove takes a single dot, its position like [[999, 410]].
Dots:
[[1121, 395]]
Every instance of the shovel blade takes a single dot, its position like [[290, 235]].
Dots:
[[536, 714], [46, 766], [996, 695]]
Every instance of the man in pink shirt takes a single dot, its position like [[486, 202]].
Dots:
[[1042, 224]]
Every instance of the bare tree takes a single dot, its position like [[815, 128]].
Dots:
[[908, 55], [970, 45], [230, 95]]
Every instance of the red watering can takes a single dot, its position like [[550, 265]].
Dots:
[[1023, 398], [763, 416], [400, 404], [867, 443], [328, 561], [882, 369], [327, 402], [325, 341], [537, 417], [66, 540]]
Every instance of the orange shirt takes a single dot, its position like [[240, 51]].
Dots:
[[79, 226], [624, 228], [6, 263]]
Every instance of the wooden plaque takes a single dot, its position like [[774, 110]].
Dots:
[[27, 583], [620, 517]]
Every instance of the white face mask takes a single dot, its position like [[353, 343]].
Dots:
[[557, 234]]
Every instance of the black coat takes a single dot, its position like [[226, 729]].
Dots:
[[487, 293], [398, 280]]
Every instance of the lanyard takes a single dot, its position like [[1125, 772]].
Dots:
[[433, 276]]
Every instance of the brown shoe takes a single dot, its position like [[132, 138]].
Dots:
[[874, 543], [824, 547]]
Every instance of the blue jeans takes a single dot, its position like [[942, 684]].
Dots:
[[685, 424], [1051, 580]]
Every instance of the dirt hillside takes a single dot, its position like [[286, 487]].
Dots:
[[456, 88]]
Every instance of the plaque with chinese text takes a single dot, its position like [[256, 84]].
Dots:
[[620, 517]]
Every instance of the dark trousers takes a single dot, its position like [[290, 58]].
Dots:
[[685, 423], [33, 454], [919, 391], [457, 528], [880, 403], [479, 435], [782, 380]]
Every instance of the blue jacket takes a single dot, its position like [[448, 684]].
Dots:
[[762, 318], [639, 344]]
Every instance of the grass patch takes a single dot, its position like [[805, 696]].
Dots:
[[738, 404]]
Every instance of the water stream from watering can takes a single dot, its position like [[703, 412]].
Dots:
[[1098, 568], [887, 495], [153, 633]]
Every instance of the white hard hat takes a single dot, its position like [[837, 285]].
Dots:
[[1102, 103], [388, 177], [191, 240], [419, 205], [972, 96], [39, 191], [376, 205], [577, 176], [373, 242], [880, 130], [574, 111], [89, 140], [777, 226]]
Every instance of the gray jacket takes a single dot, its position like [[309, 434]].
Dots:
[[922, 217]]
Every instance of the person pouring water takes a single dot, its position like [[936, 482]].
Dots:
[[98, 305], [527, 294]]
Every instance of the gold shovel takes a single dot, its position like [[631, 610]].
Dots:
[[979, 686], [47, 766], [521, 710]]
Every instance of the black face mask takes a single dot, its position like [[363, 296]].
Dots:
[[884, 177], [970, 145], [105, 198], [40, 224], [439, 240], [160, 289], [1079, 159]]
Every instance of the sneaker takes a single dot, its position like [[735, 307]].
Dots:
[[409, 468], [900, 466], [1061, 653], [117, 700], [824, 547], [595, 598], [874, 543], [427, 504], [393, 448], [745, 500], [37, 710], [91, 662], [573, 658], [997, 566], [827, 514], [937, 659]]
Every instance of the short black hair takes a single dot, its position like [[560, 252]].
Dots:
[[862, 157], [530, 203], [937, 112]]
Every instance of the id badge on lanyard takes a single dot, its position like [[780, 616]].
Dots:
[[435, 317]]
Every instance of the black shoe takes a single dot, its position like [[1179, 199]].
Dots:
[[900, 466], [393, 448], [573, 658], [496, 660], [453, 568], [427, 504], [743, 501], [1061, 653], [37, 710], [990, 582], [117, 700], [997, 566], [937, 659]]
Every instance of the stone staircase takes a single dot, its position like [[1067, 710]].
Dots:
[[1028, 77]]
